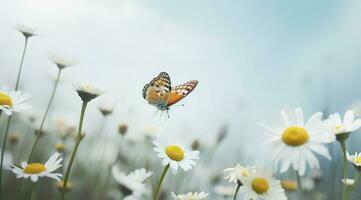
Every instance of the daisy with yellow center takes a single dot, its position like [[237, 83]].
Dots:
[[260, 185], [34, 171], [190, 196], [346, 126], [12, 101], [174, 155], [354, 159], [235, 175], [294, 143], [289, 185]]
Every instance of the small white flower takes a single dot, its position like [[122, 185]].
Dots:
[[354, 159], [294, 143], [234, 175], [34, 171], [27, 31], [87, 92], [347, 125], [62, 62], [12, 101], [260, 185], [132, 183], [174, 153], [106, 108], [348, 182], [190, 196]]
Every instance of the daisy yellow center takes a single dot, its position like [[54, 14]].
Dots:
[[5, 100], [295, 136], [34, 168], [175, 152], [260, 185], [338, 127], [358, 160]]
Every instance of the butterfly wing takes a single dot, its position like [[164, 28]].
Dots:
[[156, 92], [179, 92]]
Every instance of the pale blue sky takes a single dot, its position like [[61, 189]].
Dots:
[[252, 58]]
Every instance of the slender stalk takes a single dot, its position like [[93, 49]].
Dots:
[[18, 189], [34, 191], [299, 184], [21, 64], [79, 139], [357, 178], [3, 151], [345, 167], [235, 194], [38, 132], [155, 196], [348, 193]]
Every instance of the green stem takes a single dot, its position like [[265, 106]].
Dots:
[[38, 132], [155, 196], [79, 139], [345, 167], [34, 192], [347, 193], [357, 178], [299, 184], [21, 64], [18, 189], [235, 194], [3, 151]]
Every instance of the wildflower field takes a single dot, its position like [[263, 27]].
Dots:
[[156, 100]]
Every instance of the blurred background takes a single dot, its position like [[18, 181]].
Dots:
[[251, 58]]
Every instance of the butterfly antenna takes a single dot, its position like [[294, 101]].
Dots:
[[168, 114]]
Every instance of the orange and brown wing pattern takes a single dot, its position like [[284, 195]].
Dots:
[[179, 92], [157, 90]]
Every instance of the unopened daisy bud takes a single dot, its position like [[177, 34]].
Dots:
[[41, 132], [14, 139], [195, 145], [62, 62], [87, 92], [289, 185], [123, 128], [27, 31], [60, 147], [60, 186]]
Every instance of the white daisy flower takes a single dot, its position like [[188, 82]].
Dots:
[[294, 143], [27, 31], [62, 62], [174, 153], [12, 101], [106, 108], [348, 182], [133, 183], [190, 196], [87, 92], [354, 159], [347, 125], [34, 171], [234, 175], [260, 185]]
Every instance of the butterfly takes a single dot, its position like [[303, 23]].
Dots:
[[160, 93]]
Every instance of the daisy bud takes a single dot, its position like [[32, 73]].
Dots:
[[60, 147], [123, 128], [195, 145], [60, 186], [289, 185], [14, 139], [27, 31]]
